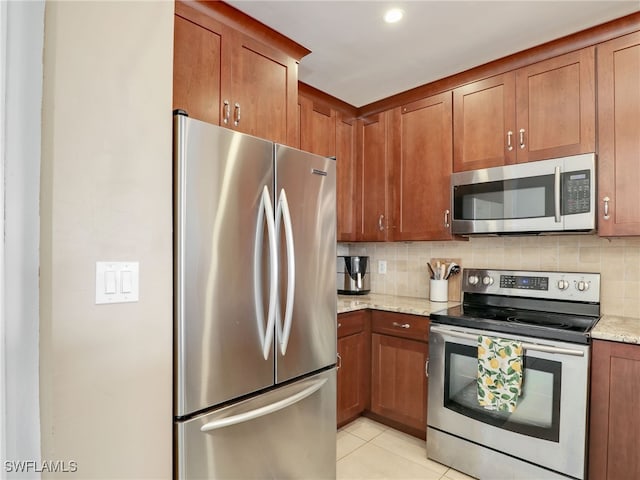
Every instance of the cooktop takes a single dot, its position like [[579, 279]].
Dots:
[[551, 305]]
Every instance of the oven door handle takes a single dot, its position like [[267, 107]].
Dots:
[[525, 346]]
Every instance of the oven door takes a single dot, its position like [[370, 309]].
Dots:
[[548, 426], [544, 196]]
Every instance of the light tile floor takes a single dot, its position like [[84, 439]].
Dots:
[[368, 450]]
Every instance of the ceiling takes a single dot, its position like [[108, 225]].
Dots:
[[359, 59]]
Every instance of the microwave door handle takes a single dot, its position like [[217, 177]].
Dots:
[[556, 194]]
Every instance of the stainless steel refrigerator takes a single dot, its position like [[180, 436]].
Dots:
[[255, 307]]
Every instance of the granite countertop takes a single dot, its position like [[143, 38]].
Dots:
[[610, 327], [617, 329], [391, 303]]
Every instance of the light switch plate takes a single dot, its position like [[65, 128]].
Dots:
[[121, 275]]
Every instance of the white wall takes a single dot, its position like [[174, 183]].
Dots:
[[106, 370], [22, 113]]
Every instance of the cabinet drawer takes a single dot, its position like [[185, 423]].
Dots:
[[351, 322], [400, 325]]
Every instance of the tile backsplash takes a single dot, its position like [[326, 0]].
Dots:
[[616, 259]]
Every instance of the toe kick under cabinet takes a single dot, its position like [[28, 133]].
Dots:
[[382, 369]]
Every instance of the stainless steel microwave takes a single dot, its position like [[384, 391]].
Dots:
[[547, 196]]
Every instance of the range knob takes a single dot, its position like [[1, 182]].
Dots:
[[563, 284], [582, 286], [473, 279], [487, 280]]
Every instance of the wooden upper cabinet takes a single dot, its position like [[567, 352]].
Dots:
[[373, 179], [556, 107], [317, 127], [197, 70], [422, 160], [231, 71], [541, 111], [263, 91], [346, 177], [619, 136], [484, 114], [328, 128]]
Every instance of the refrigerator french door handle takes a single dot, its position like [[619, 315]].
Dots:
[[283, 212], [265, 210], [266, 410]]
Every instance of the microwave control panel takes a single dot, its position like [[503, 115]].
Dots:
[[576, 192]]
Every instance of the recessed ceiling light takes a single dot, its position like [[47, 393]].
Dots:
[[393, 15]]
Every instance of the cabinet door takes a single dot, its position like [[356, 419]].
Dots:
[[615, 424], [556, 107], [619, 136], [398, 382], [196, 70], [317, 128], [422, 157], [373, 179], [263, 90], [346, 178], [484, 123], [352, 374]]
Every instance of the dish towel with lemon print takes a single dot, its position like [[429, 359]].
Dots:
[[499, 373]]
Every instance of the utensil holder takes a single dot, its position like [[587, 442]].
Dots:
[[438, 290]]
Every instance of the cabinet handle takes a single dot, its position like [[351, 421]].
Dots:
[[606, 201], [236, 109], [380, 225], [401, 325], [522, 145], [226, 112], [426, 368], [509, 137], [339, 324], [339, 361], [446, 218]]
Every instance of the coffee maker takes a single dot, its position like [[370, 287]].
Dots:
[[353, 275]]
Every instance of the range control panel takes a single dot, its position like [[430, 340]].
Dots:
[[577, 286], [525, 282]]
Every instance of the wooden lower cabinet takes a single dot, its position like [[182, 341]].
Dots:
[[381, 372], [614, 436], [399, 351], [353, 365]]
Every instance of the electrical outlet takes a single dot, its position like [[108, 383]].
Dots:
[[382, 267]]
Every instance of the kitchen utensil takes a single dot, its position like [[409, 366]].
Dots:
[[453, 269], [432, 274]]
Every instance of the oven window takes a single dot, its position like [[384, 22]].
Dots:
[[529, 197], [537, 413]]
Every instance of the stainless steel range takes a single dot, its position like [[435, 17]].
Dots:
[[543, 321]]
